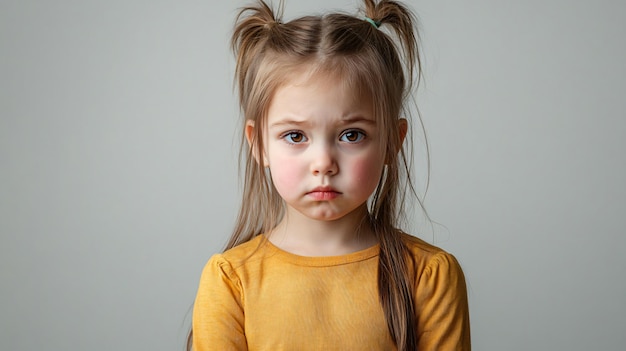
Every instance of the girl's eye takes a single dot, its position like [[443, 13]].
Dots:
[[352, 136], [294, 137]]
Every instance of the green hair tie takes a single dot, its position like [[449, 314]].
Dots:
[[376, 24]]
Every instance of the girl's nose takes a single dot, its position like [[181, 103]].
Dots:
[[324, 162]]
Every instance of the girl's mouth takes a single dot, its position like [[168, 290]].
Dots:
[[323, 193]]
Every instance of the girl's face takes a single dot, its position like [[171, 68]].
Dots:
[[322, 146]]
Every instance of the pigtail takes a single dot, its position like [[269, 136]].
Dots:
[[395, 16], [395, 281], [251, 33], [257, 30]]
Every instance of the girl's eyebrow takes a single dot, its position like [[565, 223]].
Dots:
[[355, 119], [343, 121], [289, 122]]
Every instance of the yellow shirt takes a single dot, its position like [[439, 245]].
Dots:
[[258, 297]]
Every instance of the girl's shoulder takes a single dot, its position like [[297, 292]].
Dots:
[[229, 262], [428, 258], [418, 245], [241, 252], [245, 248]]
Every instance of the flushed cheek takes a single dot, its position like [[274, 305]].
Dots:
[[286, 175], [366, 173]]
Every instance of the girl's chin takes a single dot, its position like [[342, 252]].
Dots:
[[330, 213]]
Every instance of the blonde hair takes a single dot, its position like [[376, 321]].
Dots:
[[381, 63]]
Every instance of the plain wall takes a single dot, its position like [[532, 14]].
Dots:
[[118, 176]]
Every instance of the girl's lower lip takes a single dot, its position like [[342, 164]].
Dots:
[[323, 195]]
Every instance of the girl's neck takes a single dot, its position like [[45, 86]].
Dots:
[[304, 236]]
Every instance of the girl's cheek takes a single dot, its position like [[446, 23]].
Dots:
[[286, 174], [366, 171]]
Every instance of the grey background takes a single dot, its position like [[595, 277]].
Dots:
[[118, 180]]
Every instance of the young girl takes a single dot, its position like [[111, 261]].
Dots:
[[316, 261]]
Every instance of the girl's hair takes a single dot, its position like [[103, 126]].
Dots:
[[375, 55]]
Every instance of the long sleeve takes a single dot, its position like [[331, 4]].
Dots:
[[218, 318], [442, 306]]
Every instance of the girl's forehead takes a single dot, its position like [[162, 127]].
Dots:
[[310, 88], [321, 75]]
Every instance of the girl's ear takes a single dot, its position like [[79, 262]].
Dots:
[[250, 137], [403, 128]]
